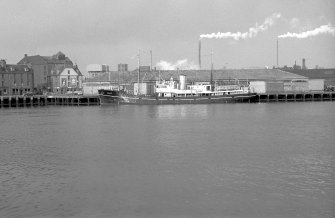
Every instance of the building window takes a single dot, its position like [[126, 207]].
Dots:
[[68, 71]]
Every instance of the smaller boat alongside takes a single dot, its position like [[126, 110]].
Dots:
[[107, 96], [173, 92]]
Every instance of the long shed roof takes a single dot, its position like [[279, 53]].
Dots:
[[315, 73], [200, 75]]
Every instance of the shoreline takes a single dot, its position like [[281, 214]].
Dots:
[[92, 100]]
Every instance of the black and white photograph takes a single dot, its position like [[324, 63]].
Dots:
[[167, 108]]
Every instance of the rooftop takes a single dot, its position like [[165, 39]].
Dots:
[[58, 58], [14, 68], [199, 75], [314, 73]]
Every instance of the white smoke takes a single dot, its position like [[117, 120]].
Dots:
[[180, 64], [253, 31], [324, 29]]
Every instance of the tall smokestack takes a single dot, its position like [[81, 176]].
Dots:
[[200, 54], [277, 54], [304, 64]]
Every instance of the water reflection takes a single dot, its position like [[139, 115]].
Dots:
[[249, 160], [173, 112]]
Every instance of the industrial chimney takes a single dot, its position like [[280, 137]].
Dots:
[[304, 64], [277, 53], [3, 63], [199, 54]]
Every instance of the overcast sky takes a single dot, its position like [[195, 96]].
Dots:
[[112, 32]]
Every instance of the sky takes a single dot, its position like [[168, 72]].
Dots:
[[234, 34]]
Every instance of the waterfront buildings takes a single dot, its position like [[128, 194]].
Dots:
[[15, 79], [328, 75], [45, 67]]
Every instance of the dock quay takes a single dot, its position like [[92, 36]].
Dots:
[[41, 100], [91, 100], [295, 97]]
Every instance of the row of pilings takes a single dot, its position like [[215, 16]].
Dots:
[[294, 97], [82, 100], [40, 100]]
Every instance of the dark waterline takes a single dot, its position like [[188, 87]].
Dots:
[[229, 160]]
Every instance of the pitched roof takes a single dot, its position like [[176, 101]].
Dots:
[[58, 54], [201, 75], [75, 68], [36, 59], [15, 68], [315, 73], [58, 58]]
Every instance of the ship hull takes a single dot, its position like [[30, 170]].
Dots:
[[106, 99]]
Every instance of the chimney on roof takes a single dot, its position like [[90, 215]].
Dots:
[[3, 63], [25, 55]]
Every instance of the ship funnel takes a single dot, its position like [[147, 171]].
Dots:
[[182, 82]]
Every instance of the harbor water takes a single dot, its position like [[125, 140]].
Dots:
[[216, 160]]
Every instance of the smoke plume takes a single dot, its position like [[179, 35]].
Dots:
[[180, 64], [324, 29], [253, 31]]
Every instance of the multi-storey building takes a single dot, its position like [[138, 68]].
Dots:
[[44, 67], [15, 79]]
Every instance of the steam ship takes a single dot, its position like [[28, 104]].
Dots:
[[171, 92]]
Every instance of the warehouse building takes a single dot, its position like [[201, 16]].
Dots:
[[146, 79], [96, 70]]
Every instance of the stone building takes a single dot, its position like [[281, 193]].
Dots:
[[45, 67], [15, 79]]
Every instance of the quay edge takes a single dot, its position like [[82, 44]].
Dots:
[[91, 100], [41, 100], [295, 97]]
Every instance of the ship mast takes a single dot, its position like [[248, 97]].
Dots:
[[212, 88], [138, 73]]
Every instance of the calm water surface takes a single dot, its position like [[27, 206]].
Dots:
[[225, 160]]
